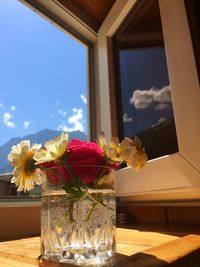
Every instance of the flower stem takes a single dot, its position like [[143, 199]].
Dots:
[[95, 200], [64, 217], [101, 173], [90, 212]]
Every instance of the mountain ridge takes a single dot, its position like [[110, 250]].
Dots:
[[39, 137]]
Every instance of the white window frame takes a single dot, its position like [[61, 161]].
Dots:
[[177, 176]]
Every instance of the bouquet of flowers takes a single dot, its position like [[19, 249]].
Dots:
[[31, 163], [78, 200]]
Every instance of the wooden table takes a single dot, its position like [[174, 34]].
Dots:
[[135, 248]]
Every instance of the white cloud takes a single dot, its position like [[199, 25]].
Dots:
[[76, 120], [162, 106], [83, 98], [57, 102], [62, 112], [142, 99], [1, 105], [126, 118], [26, 124], [7, 120], [12, 108]]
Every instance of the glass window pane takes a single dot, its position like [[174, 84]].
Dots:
[[43, 83], [146, 99]]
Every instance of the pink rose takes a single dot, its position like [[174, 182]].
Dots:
[[84, 159]]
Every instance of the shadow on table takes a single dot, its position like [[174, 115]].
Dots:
[[175, 230], [136, 260], [146, 260], [139, 260]]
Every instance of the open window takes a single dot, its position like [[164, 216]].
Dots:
[[175, 174], [166, 24], [170, 177], [143, 89]]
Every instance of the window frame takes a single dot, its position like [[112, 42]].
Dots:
[[177, 176], [193, 19]]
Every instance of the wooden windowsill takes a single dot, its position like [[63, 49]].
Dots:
[[138, 248]]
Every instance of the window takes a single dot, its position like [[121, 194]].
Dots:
[[43, 84], [144, 94], [169, 173], [175, 176]]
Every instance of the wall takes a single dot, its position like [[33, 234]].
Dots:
[[18, 222], [168, 219]]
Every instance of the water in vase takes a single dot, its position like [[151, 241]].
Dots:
[[80, 232]]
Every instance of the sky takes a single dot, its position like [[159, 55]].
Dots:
[[43, 75], [145, 89]]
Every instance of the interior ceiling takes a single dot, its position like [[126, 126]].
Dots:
[[91, 12], [145, 17]]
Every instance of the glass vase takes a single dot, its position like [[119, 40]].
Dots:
[[78, 227]]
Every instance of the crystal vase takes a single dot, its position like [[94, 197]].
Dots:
[[78, 225]]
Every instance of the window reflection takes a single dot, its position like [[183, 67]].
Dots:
[[146, 99]]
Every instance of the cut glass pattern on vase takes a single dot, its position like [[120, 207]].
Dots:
[[80, 232]]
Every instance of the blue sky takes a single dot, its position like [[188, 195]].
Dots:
[[43, 75], [146, 93]]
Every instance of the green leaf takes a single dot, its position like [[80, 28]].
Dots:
[[74, 189]]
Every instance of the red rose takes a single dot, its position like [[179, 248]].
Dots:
[[55, 173], [84, 159]]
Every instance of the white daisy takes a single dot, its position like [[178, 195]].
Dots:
[[25, 172], [53, 150]]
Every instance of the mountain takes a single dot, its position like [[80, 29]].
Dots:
[[39, 137], [160, 140]]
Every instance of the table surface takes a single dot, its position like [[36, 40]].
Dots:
[[24, 252]]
